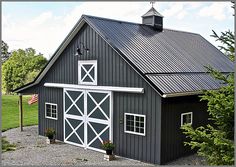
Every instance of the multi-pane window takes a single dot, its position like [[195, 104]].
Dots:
[[186, 118], [87, 72], [51, 110], [135, 124]]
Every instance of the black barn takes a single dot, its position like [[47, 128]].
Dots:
[[134, 84]]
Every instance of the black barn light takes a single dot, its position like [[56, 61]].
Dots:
[[80, 49]]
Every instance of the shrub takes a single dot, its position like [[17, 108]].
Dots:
[[108, 145], [50, 132]]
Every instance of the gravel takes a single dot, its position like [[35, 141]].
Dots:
[[33, 150]]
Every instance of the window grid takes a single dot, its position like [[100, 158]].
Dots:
[[135, 124], [51, 111], [186, 118]]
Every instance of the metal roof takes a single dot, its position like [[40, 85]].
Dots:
[[178, 83], [152, 12], [174, 61], [168, 51], [169, 60]]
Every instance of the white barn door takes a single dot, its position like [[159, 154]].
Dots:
[[87, 118]]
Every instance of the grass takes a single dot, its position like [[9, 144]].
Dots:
[[10, 112], [6, 146]]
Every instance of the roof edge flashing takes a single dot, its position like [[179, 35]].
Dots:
[[168, 95]]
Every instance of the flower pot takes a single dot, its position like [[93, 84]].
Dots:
[[109, 152], [50, 141]]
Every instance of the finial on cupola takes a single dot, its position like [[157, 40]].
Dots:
[[153, 18]]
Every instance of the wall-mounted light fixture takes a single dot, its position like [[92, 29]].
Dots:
[[80, 49]]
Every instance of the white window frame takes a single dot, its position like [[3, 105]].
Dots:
[[182, 115], [87, 62], [52, 104], [131, 132]]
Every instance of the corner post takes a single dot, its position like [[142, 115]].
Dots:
[[21, 112]]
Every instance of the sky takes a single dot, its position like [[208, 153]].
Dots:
[[44, 25]]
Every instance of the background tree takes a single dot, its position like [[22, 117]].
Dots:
[[216, 142], [21, 68], [4, 52]]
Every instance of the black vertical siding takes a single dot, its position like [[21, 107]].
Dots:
[[172, 138], [112, 70]]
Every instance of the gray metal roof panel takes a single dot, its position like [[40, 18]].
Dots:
[[168, 51], [178, 83]]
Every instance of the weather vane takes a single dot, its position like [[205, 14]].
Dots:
[[152, 2]]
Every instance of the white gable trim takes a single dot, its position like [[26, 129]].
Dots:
[[57, 53], [91, 87]]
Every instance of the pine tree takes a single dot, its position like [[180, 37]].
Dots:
[[216, 142]]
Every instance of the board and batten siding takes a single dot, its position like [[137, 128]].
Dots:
[[172, 138], [112, 71]]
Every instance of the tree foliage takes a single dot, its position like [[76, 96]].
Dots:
[[215, 142], [4, 52], [21, 68], [227, 41]]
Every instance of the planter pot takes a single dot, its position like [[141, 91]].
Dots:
[[109, 157], [50, 141], [109, 152]]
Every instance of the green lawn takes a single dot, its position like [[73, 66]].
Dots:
[[10, 112]]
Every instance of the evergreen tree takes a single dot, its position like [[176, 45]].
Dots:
[[216, 142]]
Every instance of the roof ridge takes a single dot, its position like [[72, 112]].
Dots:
[[115, 20], [128, 22], [169, 29]]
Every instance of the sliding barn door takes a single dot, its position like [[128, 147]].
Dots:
[[87, 118]]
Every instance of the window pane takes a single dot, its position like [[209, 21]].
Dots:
[[186, 118], [141, 119], [54, 115], [132, 128], [54, 111], [48, 107], [131, 117], [141, 130], [48, 113], [142, 125], [54, 107]]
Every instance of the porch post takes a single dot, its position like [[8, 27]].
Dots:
[[20, 112]]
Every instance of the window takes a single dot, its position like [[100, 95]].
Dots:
[[87, 72], [135, 123], [186, 118], [51, 111]]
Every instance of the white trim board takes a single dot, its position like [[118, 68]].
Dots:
[[81, 64], [187, 113], [90, 87]]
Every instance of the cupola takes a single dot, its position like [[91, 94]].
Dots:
[[153, 18]]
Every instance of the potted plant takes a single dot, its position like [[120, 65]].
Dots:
[[108, 146], [50, 133]]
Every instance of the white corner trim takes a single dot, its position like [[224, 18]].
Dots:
[[182, 114], [91, 87]]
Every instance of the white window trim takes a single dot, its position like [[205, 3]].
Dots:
[[131, 132], [87, 62], [46, 111], [182, 115]]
